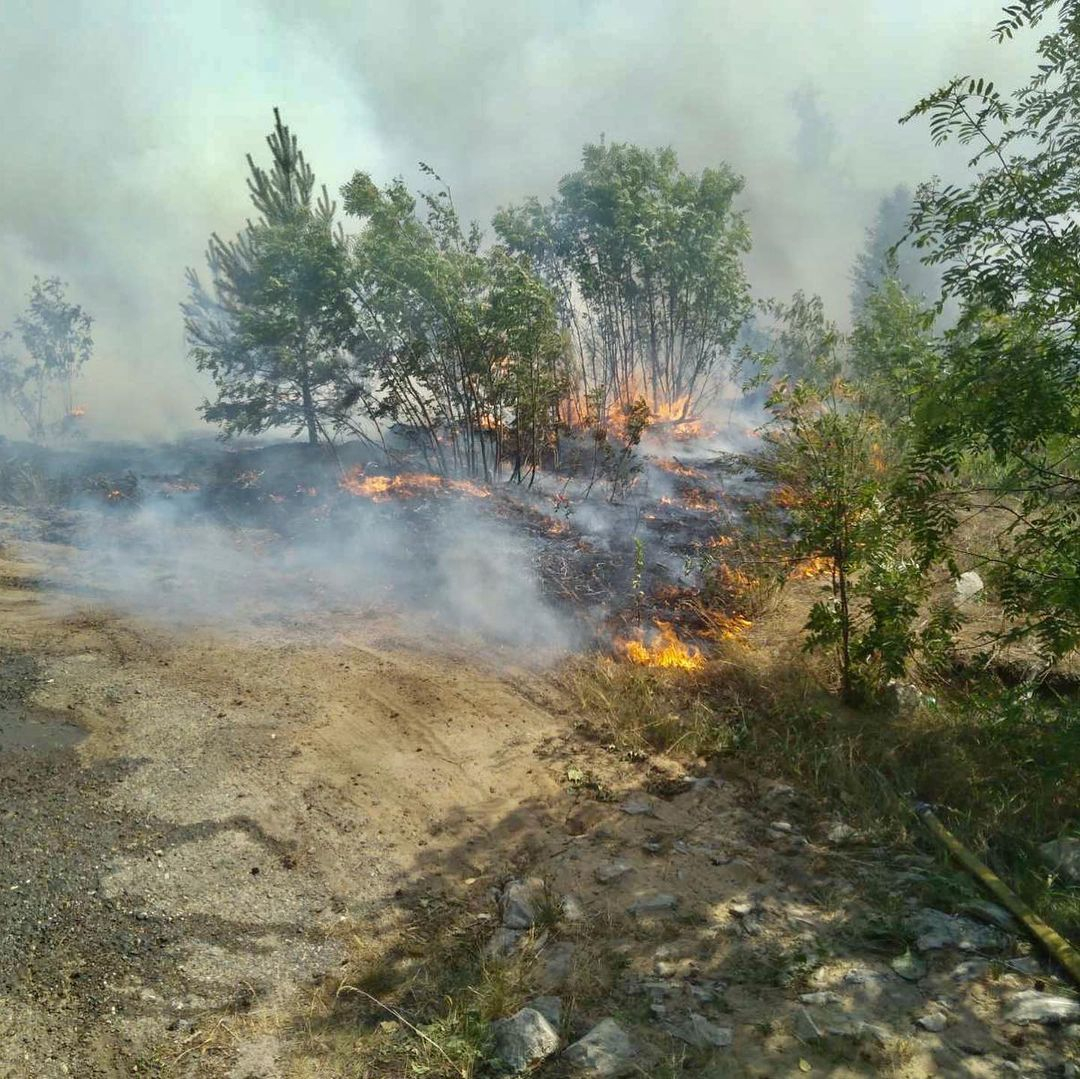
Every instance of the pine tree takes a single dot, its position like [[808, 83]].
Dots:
[[271, 327]]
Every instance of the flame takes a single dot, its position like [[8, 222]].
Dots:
[[77, 412], [728, 627], [679, 469], [807, 569], [697, 499], [786, 497], [663, 650], [404, 485]]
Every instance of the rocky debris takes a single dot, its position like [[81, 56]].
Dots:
[[572, 910], [612, 871], [502, 943], [1031, 1006], [935, 1022], [991, 914], [518, 903], [820, 998], [781, 826], [656, 903], [840, 833], [934, 929], [908, 966], [1063, 857], [901, 697], [968, 586], [524, 1040], [703, 1034], [605, 1052], [550, 1008], [639, 805], [556, 963]]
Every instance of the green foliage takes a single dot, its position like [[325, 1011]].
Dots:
[[272, 328], [459, 343], [57, 341], [828, 455], [803, 345], [1008, 385], [646, 262]]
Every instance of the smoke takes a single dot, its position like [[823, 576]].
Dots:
[[126, 126], [446, 570]]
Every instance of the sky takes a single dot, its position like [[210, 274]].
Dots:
[[127, 125]]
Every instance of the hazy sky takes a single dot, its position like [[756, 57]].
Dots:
[[126, 125]]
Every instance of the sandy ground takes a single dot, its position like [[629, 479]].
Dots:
[[187, 814]]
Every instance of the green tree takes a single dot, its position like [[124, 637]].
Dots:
[[273, 328], [459, 343], [645, 261], [829, 457], [57, 341], [1009, 383]]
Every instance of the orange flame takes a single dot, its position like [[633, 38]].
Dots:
[[404, 485], [77, 412], [808, 568], [664, 650]]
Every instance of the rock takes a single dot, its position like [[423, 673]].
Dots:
[[657, 903], [503, 941], [1031, 1006], [910, 967], [935, 1022], [860, 1030], [549, 1007], [741, 910], [610, 871], [968, 586], [1025, 964], [780, 826], [840, 833], [1063, 857], [934, 929], [969, 971], [518, 903], [638, 805], [1072, 1030], [903, 697], [556, 964], [524, 1040], [604, 1052], [820, 998], [702, 1034], [991, 914], [572, 910]]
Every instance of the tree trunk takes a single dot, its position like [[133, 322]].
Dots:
[[309, 414]]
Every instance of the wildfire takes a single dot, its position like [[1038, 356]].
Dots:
[[808, 568], [664, 649], [77, 412], [670, 464], [697, 499], [404, 485]]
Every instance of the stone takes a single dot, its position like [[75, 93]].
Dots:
[[860, 1030], [1031, 1006], [780, 826], [612, 871], [968, 586], [820, 998], [903, 697], [549, 1007], [933, 930], [502, 942], [572, 910], [605, 1052], [702, 1034], [909, 966], [638, 805], [935, 1022], [971, 970], [524, 1040], [657, 903], [840, 833], [991, 914], [1062, 856], [556, 963], [518, 903]]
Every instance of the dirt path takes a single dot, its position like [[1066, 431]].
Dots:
[[234, 797]]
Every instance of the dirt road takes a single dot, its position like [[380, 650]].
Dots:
[[188, 814]]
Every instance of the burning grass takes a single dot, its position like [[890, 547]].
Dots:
[[380, 488], [662, 648]]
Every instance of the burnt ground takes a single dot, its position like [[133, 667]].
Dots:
[[202, 816]]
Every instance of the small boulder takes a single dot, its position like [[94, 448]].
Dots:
[[605, 1052], [572, 910], [1031, 1006], [502, 942], [903, 697], [657, 903], [968, 586], [935, 929], [611, 871], [550, 1008], [556, 963], [934, 1022], [524, 1040], [518, 903], [840, 833], [638, 805], [702, 1034], [1062, 856]]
